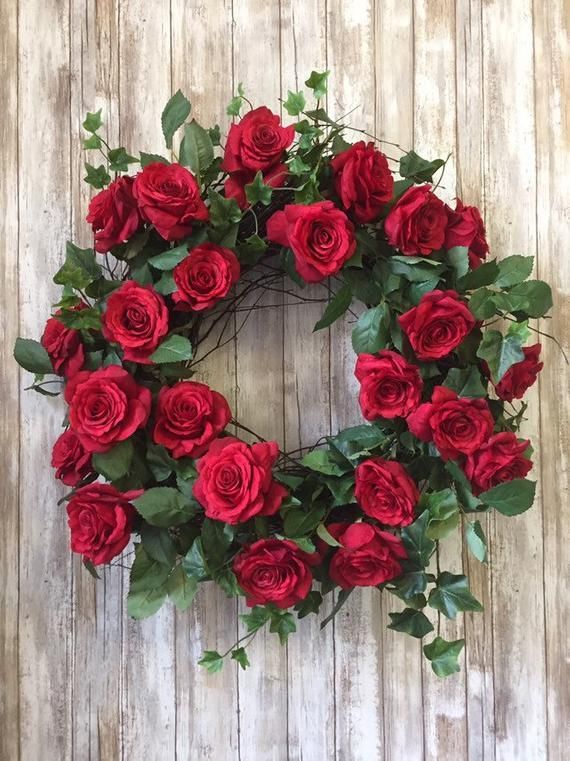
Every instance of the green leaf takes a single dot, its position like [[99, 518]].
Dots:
[[510, 498], [120, 160], [465, 382], [161, 464], [164, 506], [251, 250], [288, 262], [174, 115], [158, 544], [416, 269], [115, 463], [181, 588], [295, 103], [443, 655], [240, 656], [514, 270], [93, 142], [82, 319], [147, 590], [485, 274], [416, 541], [324, 534], [215, 134], [500, 352], [335, 308], [80, 268], [409, 585], [32, 356], [298, 522], [258, 192], [342, 489], [339, 145], [357, 441], [216, 540], [152, 158], [458, 258], [212, 661], [256, 618], [223, 211], [476, 540], [311, 604], [441, 504], [236, 102], [463, 488], [317, 82], [90, 568], [538, 295], [196, 148], [482, 303], [415, 168], [97, 176], [324, 461], [173, 349], [412, 622], [372, 330], [93, 121], [298, 167], [341, 598], [451, 595], [193, 562], [169, 259], [282, 624]]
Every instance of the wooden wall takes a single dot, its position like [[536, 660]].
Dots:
[[489, 81]]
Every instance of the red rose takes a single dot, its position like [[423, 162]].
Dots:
[[101, 520], [114, 214], [363, 181], [437, 325], [368, 556], [465, 228], [136, 318], [389, 386], [520, 376], [456, 425], [205, 276], [169, 198], [416, 223], [500, 459], [106, 406], [274, 571], [385, 491], [320, 236], [71, 461], [235, 481], [189, 416], [64, 346], [234, 186], [256, 143]]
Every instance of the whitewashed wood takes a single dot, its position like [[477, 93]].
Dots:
[[45, 611], [517, 568], [552, 82], [9, 382]]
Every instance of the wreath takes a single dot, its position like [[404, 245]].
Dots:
[[183, 250]]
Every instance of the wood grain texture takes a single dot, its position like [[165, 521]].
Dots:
[[487, 80]]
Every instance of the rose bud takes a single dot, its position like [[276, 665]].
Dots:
[[69, 458], [114, 215]]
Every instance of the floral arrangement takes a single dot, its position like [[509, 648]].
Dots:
[[187, 245]]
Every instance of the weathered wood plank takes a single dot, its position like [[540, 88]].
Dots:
[[45, 611], [517, 567], [9, 382], [552, 93], [149, 684]]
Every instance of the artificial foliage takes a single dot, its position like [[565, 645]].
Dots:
[[185, 246]]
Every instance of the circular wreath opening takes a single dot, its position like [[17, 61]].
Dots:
[[183, 249]]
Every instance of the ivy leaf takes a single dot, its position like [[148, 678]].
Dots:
[[240, 656], [166, 284], [196, 148], [169, 259], [283, 624], [235, 104], [215, 134], [465, 382], [443, 655], [415, 168], [298, 167], [514, 270], [510, 498], [412, 622], [97, 176], [371, 331], [83, 319], [193, 562], [212, 661], [317, 82], [181, 588], [256, 618], [224, 212], [335, 308], [500, 352], [451, 595], [295, 103], [115, 463], [152, 158], [174, 115], [120, 160], [93, 142], [80, 268], [164, 506], [476, 540], [173, 349], [311, 604], [251, 250], [258, 192], [420, 547], [32, 356], [410, 584], [147, 590], [93, 121]]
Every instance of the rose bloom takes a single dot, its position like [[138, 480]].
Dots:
[[205, 276], [235, 482], [465, 228], [363, 181], [169, 198], [368, 556], [64, 346], [71, 461], [274, 571], [189, 416], [101, 521], [106, 406], [385, 491], [114, 214], [416, 223], [389, 386], [437, 325], [457, 425], [520, 376], [136, 318], [499, 460], [320, 236]]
